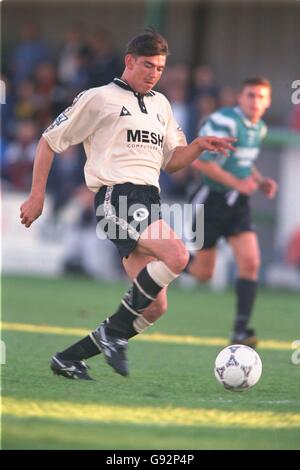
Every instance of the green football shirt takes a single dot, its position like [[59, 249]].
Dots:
[[231, 122]]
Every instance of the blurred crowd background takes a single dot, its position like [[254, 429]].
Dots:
[[45, 65]]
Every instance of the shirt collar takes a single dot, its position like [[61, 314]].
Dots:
[[244, 118], [121, 83]]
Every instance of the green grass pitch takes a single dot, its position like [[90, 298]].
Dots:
[[171, 399]]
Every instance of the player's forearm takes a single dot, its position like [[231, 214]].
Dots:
[[216, 173], [259, 178], [42, 165], [184, 156]]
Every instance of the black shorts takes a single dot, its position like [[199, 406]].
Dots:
[[124, 211], [225, 214]]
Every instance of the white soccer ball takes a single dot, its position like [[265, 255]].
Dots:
[[238, 367]]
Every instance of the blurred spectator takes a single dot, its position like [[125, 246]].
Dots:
[[204, 97], [205, 105], [74, 62], [175, 84], [178, 74], [67, 61], [293, 249], [7, 109], [286, 274], [202, 107], [3, 145], [295, 118], [51, 97], [30, 52], [105, 64], [177, 95], [26, 101], [19, 155], [227, 97], [204, 82], [65, 177], [175, 185]]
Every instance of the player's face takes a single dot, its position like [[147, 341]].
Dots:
[[254, 100], [144, 72]]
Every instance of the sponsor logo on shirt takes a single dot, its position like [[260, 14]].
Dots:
[[145, 137], [125, 112]]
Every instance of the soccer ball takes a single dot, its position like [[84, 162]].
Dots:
[[238, 367]]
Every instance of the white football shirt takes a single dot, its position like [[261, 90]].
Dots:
[[127, 137]]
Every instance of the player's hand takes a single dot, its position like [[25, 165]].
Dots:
[[31, 210], [217, 144], [247, 186], [269, 187]]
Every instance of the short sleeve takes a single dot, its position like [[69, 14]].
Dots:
[[76, 123]]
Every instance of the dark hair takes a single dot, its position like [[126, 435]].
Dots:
[[256, 81], [149, 43]]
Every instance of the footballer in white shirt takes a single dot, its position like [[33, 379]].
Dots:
[[129, 134]]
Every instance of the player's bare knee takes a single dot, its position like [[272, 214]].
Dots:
[[163, 306], [177, 257], [182, 259], [251, 265], [156, 310], [160, 309], [203, 276]]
